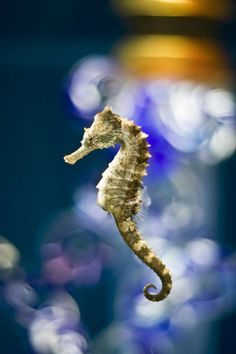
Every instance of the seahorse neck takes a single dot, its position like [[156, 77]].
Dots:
[[131, 164], [120, 186]]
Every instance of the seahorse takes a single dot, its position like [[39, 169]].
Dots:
[[119, 190]]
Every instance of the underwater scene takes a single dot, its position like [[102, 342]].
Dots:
[[131, 250]]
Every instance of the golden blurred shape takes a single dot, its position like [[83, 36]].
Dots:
[[174, 57], [9, 255], [205, 8]]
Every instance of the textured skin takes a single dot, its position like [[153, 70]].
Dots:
[[119, 191]]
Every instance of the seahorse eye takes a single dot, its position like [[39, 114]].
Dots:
[[89, 141]]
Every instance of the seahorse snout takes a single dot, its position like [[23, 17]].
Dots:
[[77, 155]]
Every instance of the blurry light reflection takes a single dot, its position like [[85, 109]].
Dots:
[[55, 327], [179, 206], [147, 313], [68, 268], [20, 294], [72, 252], [230, 271], [86, 202], [185, 318], [9, 257], [91, 82], [186, 117], [57, 271], [187, 212], [124, 101], [185, 289], [221, 146], [118, 338], [176, 215], [181, 216], [203, 252], [22, 299], [220, 104]]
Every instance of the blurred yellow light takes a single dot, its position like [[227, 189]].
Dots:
[[174, 57], [204, 8], [9, 255]]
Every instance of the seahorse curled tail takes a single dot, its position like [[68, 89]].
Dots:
[[135, 241]]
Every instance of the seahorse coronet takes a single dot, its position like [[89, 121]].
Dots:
[[119, 190]]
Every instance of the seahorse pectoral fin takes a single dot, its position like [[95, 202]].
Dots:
[[77, 155], [146, 201]]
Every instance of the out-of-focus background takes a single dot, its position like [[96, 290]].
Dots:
[[68, 283]]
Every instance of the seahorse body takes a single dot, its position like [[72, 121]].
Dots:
[[119, 191]]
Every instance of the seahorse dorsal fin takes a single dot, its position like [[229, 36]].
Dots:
[[145, 205]]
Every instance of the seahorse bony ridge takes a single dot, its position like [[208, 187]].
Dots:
[[119, 190]]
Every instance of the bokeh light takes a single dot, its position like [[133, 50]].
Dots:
[[90, 83], [9, 257], [72, 251], [55, 327]]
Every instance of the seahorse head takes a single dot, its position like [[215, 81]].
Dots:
[[103, 133]]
